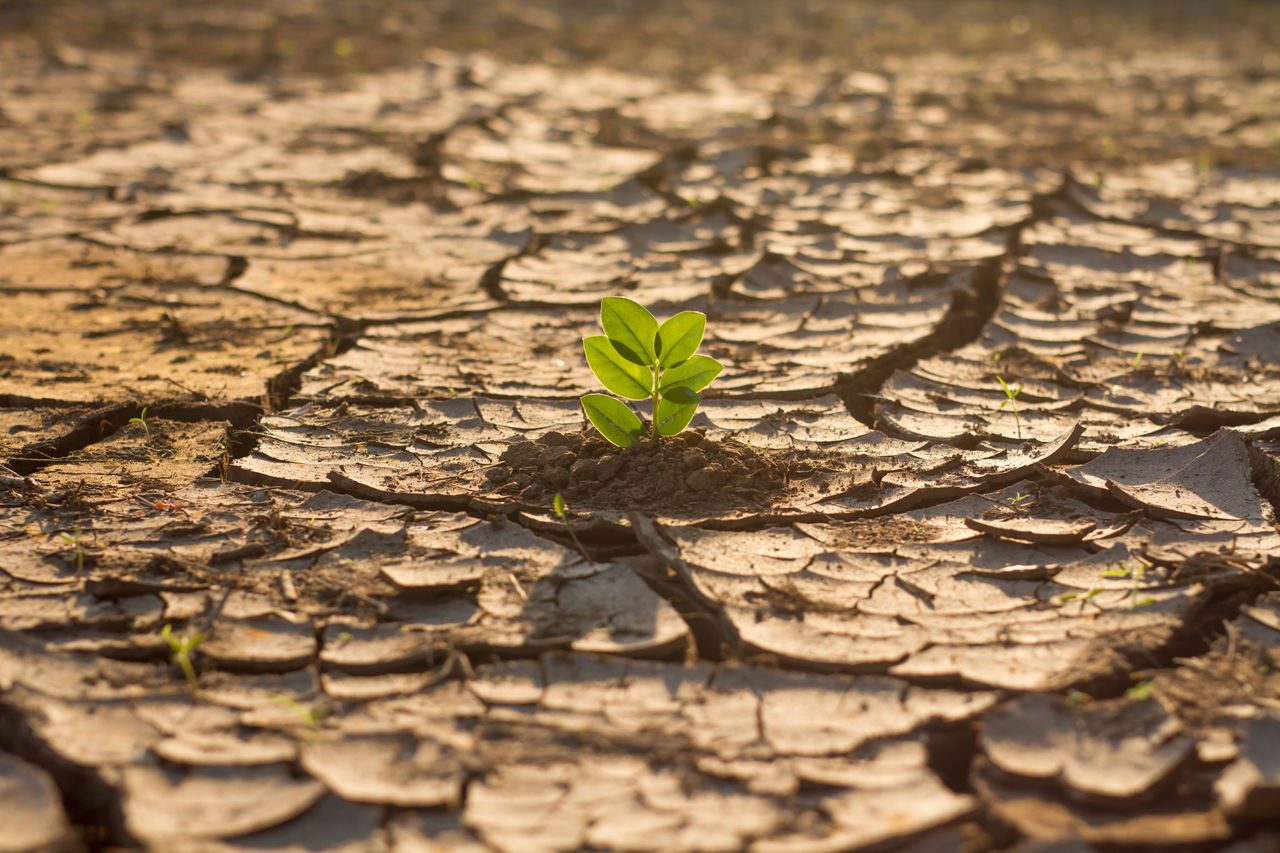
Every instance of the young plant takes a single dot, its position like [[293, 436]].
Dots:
[[1141, 691], [308, 716], [72, 541], [558, 505], [1011, 400], [1135, 573], [637, 359], [141, 420], [182, 649], [1017, 501]]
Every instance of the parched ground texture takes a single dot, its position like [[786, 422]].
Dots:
[[291, 301]]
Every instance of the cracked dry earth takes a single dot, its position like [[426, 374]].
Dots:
[[348, 301]]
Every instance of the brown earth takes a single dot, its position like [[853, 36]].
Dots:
[[291, 302], [687, 472]]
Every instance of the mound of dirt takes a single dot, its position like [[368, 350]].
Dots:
[[686, 472]]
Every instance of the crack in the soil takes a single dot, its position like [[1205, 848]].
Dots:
[[104, 422], [962, 324], [92, 802]]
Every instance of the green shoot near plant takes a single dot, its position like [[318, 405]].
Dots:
[[308, 716], [72, 541], [1011, 400], [638, 359], [182, 650], [558, 505], [141, 420]]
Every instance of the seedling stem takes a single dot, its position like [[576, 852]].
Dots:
[[141, 420], [1011, 400], [181, 650], [72, 540], [558, 505]]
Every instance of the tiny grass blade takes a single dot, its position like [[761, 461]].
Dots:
[[631, 329], [695, 374], [672, 417], [615, 372], [680, 337], [616, 422]]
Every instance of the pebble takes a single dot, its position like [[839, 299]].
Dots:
[[693, 460], [706, 479]]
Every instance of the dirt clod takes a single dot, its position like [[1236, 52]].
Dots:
[[686, 473]]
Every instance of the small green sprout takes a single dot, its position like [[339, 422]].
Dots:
[[1204, 164], [1087, 596], [637, 359], [1011, 400], [1141, 691], [309, 717], [1137, 361], [1018, 500], [181, 650], [557, 504], [72, 541], [141, 420], [1135, 573]]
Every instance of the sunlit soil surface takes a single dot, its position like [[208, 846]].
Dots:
[[972, 545]]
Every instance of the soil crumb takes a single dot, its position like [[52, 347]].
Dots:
[[685, 473]]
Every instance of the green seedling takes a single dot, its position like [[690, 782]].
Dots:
[[1141, 691], [1134, 573], [72, 541], [141, 420], [1204, 164], [557, 504], [1018, 500], [182, 650], [637, 359], [1011, 400], [1137, 361], [1087, 596], [309, 717]]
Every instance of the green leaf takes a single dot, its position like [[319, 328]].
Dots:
[[632, 330], [557, 504], [680, 337], [616, 422], [672, 417], [695, 374], [684, 395], [1009, 391], [615, 372]]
